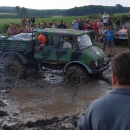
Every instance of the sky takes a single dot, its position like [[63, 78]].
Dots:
[[61, 4]]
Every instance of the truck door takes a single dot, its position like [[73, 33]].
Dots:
[[66, 51], [47, 53]]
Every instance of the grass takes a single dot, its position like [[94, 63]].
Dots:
[[39, 20]]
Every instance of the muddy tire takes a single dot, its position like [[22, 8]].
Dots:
[[76, 75], [11, 66]]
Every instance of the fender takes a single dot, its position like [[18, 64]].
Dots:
[[20, 55], [77, 62]]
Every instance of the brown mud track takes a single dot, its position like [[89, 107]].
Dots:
[[46, 102]]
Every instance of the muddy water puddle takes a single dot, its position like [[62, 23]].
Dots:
[[53, 100]]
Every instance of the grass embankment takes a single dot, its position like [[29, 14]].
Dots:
[[118, 47]]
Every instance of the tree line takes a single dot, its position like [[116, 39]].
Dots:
[[76, 11]]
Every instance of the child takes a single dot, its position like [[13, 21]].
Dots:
[[109, 36]]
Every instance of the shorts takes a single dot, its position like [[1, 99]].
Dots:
[[100, 31], [105, 24], [111, 44]]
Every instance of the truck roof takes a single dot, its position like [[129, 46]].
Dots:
[[71, 32]]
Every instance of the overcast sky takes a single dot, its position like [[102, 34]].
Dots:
[[61, 4]]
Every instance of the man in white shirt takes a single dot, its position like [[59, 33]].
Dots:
[[105, 18], [67, 44]]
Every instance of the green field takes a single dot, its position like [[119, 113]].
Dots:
[[39, 20]]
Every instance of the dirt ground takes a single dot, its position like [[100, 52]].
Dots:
[[47, 103]]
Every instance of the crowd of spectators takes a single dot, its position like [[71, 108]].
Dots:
[[98, 26]]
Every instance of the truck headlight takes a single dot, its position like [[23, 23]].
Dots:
[[96, 63]]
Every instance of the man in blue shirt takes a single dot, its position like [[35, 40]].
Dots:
[[75, 24], [112, 111], [109, 35]]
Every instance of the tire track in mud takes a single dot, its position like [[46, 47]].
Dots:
[[55, 123]]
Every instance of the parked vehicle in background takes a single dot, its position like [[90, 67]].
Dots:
[[1, 36], [128, 15], [77, 62], [121, 35], [23, 37]]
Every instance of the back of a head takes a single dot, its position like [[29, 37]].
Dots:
[[120, 66]]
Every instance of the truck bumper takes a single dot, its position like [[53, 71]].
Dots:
[[100, 70], [121, 38]]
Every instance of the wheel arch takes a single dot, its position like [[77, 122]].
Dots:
[[18, 54], [77, 63]]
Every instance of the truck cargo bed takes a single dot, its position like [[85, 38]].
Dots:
[[17, 45]]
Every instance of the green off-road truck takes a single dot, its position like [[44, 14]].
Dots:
[[20, 54]]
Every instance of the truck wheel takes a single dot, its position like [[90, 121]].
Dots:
[[76, 75], [12, 66]]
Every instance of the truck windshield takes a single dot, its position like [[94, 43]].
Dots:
[[84, 41]]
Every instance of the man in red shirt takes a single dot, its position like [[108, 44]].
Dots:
[[95, 29], [41, 40]]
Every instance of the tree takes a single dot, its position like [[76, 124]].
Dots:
[[119, 5], [24, 11], [18, 10]]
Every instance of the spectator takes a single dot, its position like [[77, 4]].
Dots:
[[89, 24], [23, 21], [43, 25], [104, 38], [109, 35], [100, 26], [53, 25], [95, 29], [64, 22], [118, 23], [34, 28], [85, 27], [50, 25], [39, 27], [32, 20], [81, 24], [61, 25], [75, 24], [54, 22], [111, 112], [19, 29], [110, 21], [28, 28], [29, 21], [11, 30], [105, 18]]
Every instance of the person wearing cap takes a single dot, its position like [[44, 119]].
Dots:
[[41, 40], [61, 25]]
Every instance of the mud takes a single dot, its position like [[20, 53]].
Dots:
[[46, 102]]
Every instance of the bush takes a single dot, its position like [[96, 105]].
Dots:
[[4, 28]]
